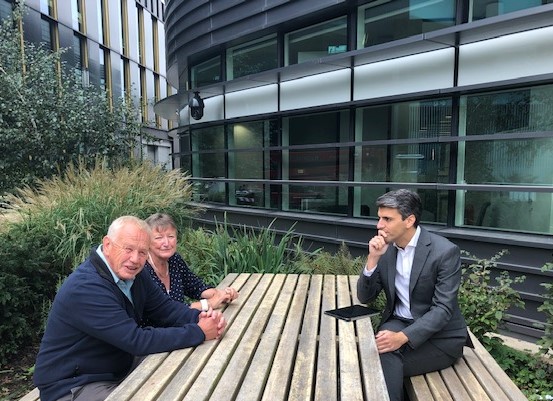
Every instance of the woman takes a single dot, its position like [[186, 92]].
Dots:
[[171, 273]]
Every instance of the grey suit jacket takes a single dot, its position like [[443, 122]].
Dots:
[[433, 288]]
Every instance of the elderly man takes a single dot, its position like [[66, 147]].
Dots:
[[94, 331]]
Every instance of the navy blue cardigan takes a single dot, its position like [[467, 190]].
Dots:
[[94, 332]]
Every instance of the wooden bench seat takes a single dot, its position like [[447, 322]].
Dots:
[[474, 377], [31, 396]]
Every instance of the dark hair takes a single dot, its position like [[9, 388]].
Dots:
[[160, 221], [406, 202]]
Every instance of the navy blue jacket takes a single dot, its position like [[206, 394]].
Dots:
[[94, 332]]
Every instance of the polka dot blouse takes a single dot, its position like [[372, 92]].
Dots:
[[182, 281]]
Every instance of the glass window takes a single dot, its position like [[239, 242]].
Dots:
[[208, 161], [480, 9], [47, 33], [306, 161], [140, 33], [525, 160], [155, 43], [252, 57], [523, 110], [382, 159], [206, 73], [102, 26], [385, 21], [47, 7], [5, 9], [79, 59], [316, 41], [77, 15], [143, 95], [103, 56], [248, 160], [124, 27]]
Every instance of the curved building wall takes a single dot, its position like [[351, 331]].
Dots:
[[450, 100]]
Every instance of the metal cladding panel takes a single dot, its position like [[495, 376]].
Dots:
[[508, 57], [196, 26], [419, 72], [252, 101]]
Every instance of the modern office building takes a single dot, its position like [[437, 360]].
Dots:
[[314, 108], [118, 45]]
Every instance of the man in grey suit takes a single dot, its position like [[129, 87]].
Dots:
[[422, 328]]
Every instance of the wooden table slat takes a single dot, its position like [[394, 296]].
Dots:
[[326, 387], [350, 375], [137, 378], [303, 377], [277, 383], [186, 376], [204, 384], [231, 380], [279, 345], [260, 366], [373, 378]]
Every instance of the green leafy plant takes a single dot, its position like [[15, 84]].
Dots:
[[48, 119], [532, 374], [546, 342], [484, 305], [322, 262], [214, 254]]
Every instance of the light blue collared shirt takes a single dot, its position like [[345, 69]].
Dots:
[[124, 285]]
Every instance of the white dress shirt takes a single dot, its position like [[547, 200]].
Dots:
[[404, 264]]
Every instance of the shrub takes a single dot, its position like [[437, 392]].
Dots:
[[50, 230], [214, 254], [546, 342], [322, 262], [484, 305], [532, 374]]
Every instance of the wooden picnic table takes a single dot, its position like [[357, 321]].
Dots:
[[279, 345]]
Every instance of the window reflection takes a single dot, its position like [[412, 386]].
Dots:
[[529, 212], [524, 162], [209, 163], [206, 73], [385, 21], [248, 160], [480, 9], [316, 41], [316, 163], [252, 57]]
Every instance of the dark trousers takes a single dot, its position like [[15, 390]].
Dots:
[[406, 362], [97, 391]]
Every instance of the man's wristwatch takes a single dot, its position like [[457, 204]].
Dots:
[[205, 305]]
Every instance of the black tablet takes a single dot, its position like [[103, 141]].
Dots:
[[352, 312]]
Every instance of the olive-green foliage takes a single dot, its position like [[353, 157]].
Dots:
[[214, 254], [484, 305], [48, 119], [532, 374], [322, 262], [50, 230], [546, 342]]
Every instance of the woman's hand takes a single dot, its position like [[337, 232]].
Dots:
[[218, 297]]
